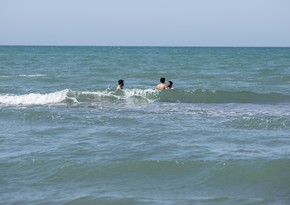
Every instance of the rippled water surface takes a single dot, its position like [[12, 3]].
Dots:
[[69, 137]]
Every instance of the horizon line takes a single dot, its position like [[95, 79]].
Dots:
[[148, 46]]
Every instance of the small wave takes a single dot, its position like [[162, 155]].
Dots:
[[144, 96], [126, 95], [32, 75], [211, 96], [34, 98], [79, 97], [179, 96], [23, 75], [260, 122]]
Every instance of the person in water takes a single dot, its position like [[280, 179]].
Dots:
[[161, 85], [169, 85], [120, 84]]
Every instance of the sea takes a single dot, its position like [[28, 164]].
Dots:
[[69, 137]]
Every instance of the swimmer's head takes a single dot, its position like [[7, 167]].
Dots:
[[121, 82]]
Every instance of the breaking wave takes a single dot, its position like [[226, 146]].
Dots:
[[68, 96], [34, 98]]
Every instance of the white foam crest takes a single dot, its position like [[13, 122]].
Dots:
[[107, 93], [34, 98], [130, 93], [140, 92], [98, 93], [125, 94], [240, 111], [32, 75]]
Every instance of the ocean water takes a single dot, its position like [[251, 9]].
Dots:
[[222, 136]]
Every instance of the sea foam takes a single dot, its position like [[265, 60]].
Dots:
[[31, 75], [126, 95], [34, 98], [69, 96], [144, 96]]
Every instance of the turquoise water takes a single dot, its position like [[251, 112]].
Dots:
[[69, 137]]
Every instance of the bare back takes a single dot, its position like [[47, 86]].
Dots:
[[161, 86]]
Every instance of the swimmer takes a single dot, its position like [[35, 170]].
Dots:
[[161, 85], [120, 84], [169, 86]]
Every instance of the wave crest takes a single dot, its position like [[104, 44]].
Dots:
[[144, 96], [126, 95], [212, 96], [34, 98]]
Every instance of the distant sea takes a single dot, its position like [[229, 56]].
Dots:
[[222, 136]]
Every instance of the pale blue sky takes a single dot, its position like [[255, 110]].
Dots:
[[145, 22]]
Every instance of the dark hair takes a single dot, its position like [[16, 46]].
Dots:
[[170, 83], [162, 80], [121, 82]]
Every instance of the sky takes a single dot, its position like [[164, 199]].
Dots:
[[145, 22]]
